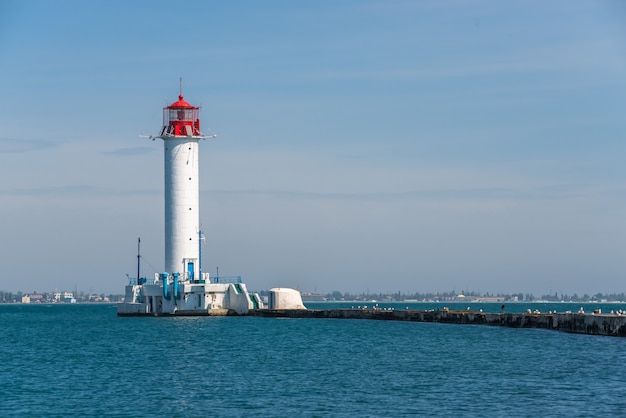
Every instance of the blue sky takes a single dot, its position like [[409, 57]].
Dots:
[[362, 145]]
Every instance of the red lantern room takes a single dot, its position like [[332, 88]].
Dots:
[[181, 119]]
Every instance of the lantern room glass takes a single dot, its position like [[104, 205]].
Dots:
[[179, 114]]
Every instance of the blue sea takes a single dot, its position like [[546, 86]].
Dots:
[[83, 360]]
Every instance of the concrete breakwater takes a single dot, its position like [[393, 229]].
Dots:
[[581, 323]]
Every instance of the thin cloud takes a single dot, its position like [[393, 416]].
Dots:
[[79, 190], [552, 192], [23, 146], [130, 152]]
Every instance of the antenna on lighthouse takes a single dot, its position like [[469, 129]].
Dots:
[[201, 240], [138, 259], [180, 80]]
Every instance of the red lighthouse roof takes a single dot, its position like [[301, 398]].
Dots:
[[181, 103]]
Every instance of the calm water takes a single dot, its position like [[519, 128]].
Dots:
[[77, 360]]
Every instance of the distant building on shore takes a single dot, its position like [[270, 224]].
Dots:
[[33, 297], [67, 297], [313, 297]]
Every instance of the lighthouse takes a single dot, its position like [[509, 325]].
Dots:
[[182, 288], [180, 134]]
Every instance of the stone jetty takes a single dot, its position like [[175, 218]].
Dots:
[[575, 322]]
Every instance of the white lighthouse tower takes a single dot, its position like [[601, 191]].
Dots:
[[180, 135], [183, 289]]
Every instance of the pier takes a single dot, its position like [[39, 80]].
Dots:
[[581, 323]]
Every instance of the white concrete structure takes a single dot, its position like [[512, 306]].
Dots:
[[167, 296], [183, 289], [285, 298]]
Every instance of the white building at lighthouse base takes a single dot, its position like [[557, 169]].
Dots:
[[167, 295]]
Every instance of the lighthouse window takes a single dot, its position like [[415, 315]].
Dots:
[[181, 114]]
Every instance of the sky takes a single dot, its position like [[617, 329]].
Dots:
[[362, 145]]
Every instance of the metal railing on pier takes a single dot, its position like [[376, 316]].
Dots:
[[226, 279]]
